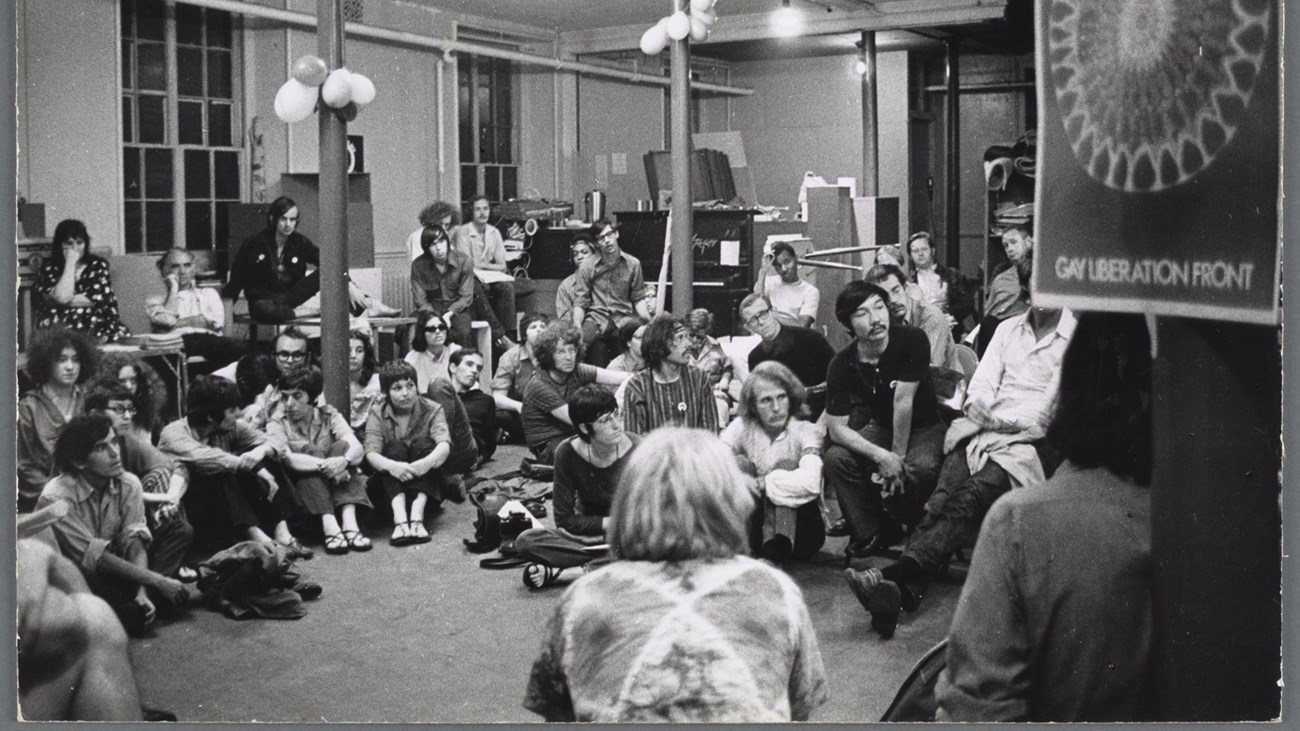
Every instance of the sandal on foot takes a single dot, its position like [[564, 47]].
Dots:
[[419, 534], [537, 575], [336, 544], [357, 540], [401, 535]]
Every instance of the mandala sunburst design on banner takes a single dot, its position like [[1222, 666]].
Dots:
[[1150, 91]]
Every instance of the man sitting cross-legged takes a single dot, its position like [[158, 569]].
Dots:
[[803, 351], [994, 447], [104, 532], [670, 391]]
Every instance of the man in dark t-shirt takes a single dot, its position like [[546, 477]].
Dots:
[[803, 351], [883, 422]]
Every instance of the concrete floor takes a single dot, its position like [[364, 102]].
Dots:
[[421, 634]]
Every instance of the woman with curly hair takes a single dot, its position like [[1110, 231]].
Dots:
[[59, 361], [560, 372], [142, 380], [514, 371], [74, 287]]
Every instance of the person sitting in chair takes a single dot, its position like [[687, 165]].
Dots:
[[196, 311]]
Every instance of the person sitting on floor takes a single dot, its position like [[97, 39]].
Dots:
[[513, 372], [292, 355], [430, 353], [163, 480], [995, 446], [782, 452], [407, 443], [557, 355], [803, 351], [74, 288], [197, 312], [465, 367], [464, 457], [235, 479], [588, 468], [140, 378], [883, 417], [669, 392], [629, 358], [683, 627], [363, 381], [59, 360], [1056, 622], [322, 459], [916, 313], [706, 354], [105, 532], [271, 269], [793, 300], [566, 294]]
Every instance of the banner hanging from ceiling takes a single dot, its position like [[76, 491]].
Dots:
[[1158, 157]]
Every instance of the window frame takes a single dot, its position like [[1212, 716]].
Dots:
[[469, 65]]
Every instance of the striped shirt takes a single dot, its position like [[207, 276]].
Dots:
[[688, 402]]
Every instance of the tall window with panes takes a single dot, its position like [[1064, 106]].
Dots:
[[489, 136], [180, 130]]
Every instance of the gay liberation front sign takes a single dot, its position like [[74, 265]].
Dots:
[[1158, 157]]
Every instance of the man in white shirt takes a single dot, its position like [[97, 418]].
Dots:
[[482, 243], [794, 301], [195, 312]]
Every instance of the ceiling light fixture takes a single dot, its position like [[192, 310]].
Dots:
[[787, 22]]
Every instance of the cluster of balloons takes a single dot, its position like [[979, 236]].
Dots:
[[680, 24], [340, 89]]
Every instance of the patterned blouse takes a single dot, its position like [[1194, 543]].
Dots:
[[100, 319], [702, 641]]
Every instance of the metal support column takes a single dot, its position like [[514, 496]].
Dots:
[[952, 197], [683, 255], [870, 118], [332, 236]]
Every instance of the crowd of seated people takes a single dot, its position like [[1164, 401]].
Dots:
[[256, 454]]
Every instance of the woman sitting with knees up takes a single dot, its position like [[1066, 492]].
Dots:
[[363, 381], [782, 453], [587, 469], [142, 380], [59, 360], [560, 372], [629, 359], [683, 627], [322, 459], [407, 442], [430, 350]]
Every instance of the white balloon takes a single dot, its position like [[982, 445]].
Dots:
[[699, 6], [337, 91], [707, 17], [653, 41], [679, 25], [363, 89], [699, 30], [663, 23], [295, 101]]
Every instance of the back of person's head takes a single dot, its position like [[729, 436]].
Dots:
[[587, 404], [1103, 407], [851, 298], [556, 334], [700, 321], [657, 342], [681, 497], [881, 272], [253, 373], [102, 392], [782, 247], [430, 236], [434, 213], [278, 208], [396, 371], [208, 400], [47, 346], [77, 438], [771, 373], [627, 331], [308, 380]]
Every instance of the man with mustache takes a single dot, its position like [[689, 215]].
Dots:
[[883, 421]]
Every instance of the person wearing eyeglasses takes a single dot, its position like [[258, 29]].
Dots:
[[800, 349], [609, 291], [291, 356], [430, 353]]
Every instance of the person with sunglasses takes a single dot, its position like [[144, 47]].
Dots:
[[430, 353], [800, 349], [442, 283]]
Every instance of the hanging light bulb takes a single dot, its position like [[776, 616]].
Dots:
[[786, 21]]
